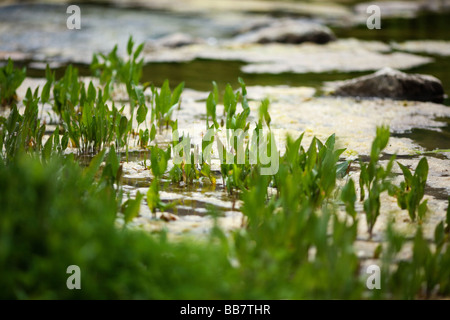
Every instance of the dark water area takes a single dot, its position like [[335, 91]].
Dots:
[[431, 139], [426, 26]]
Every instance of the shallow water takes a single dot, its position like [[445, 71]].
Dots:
[[430, 139], [426, 26]]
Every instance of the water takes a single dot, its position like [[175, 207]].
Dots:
[[426, 26], [431, 139]]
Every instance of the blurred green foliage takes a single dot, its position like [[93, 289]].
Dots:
[[10, 79]]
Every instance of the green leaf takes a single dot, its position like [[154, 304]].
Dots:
[[264, 112], [242, 83], [215, 92], [138, 51], [293, 149], [13, 118], [10, 66], [45, 95], [330, 142], [113, 160], [439, 234], [153, 195], [169, 112], [422, 170], [123, 125], [380, 142], [141, 113], [47, 151], [229, 100], [153, 132], [130, 45], [422, 209], [165, 97], [90, 172], [65, 141], [210, 109], [177, 94], [92, 93], [342, 168], [107, 95], [139, 95], [421, 251], [407, 174], [155, 161], [312, 154], [363, 179], [131, 207], [348, 196], [143, 137], [389, 166]]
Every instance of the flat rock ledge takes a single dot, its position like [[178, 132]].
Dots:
[[393, 84], [288, 31]]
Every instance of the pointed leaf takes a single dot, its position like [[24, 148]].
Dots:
[[132, 207]]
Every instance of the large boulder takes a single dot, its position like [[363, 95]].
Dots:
[[393, 84], [288, 31]]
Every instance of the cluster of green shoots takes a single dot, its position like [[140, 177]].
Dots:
[[294, 244], [10, 79], [88, 118]]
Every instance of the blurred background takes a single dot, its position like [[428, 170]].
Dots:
[[35, 33]]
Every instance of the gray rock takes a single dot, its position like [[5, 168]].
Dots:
[[433, 47], [288, 31], [174, 40], [393, 84]]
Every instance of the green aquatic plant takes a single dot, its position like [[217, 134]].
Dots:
[[112, 68], [50, 77], [146, 136], [316, 168], [374, 178], [159, 162], [211, 104], [131, 207], [112, 170], [165, 102], [93, 125], [66, 91], [234, 153], [22, 133], [411, 191], [291, 238], [10, 79], [426, 274], [348, 196]]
